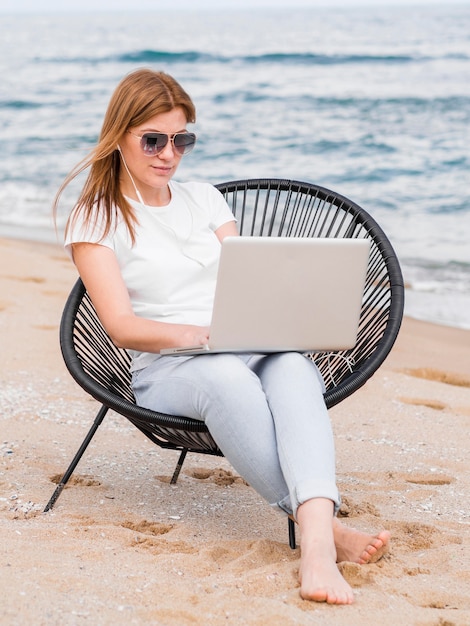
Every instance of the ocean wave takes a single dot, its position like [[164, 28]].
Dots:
[[162, 56], [439, 105], [411, 104], [289, 58], [438, 277], [326, 59], [19, 104]]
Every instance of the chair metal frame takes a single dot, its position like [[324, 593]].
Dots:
[[263, 207]]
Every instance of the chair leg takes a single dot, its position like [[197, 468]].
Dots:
[[178, 467], [58, 490], [291, 527]]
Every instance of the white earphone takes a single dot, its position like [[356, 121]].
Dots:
[[138, 194]]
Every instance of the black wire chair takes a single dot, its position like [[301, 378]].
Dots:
[[262, 207]]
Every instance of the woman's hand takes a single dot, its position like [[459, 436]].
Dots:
[[193, 336]]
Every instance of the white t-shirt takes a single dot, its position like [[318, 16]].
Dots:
[[170, 271]]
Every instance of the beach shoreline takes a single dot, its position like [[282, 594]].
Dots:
[[122, 546]]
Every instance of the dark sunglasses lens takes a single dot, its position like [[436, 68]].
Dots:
[[184, 142], [153, 143]]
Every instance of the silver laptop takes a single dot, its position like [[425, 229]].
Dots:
[[277, 294]]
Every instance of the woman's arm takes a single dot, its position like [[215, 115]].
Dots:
[[226, 230], [101, 275]]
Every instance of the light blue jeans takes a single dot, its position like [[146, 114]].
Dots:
[[266, 413]]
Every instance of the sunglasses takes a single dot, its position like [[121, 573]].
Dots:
[[154, 143]]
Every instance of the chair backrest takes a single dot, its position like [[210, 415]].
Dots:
[[268, 208], [296, 209]]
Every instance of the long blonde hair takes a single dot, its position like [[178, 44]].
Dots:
[[140, 95]]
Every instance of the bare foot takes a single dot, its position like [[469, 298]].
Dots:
[[358, 547], [320, 579]]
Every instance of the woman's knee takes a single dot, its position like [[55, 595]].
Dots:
[[291, 368], [227, 372], [199, 386], [294, 362]]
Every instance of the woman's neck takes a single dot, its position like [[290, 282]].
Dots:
[[154, 197]]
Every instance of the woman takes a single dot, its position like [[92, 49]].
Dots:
[[147, 249]]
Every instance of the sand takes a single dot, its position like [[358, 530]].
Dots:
[[122, 546]]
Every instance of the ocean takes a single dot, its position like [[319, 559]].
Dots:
[[371, 102]]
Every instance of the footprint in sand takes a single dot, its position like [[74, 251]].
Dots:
[[82, 481], [431, 404], [413, 536], [428, 479], [242, 556], [149, 536], [157, 546], [148, 528], [416, 536], [429, 373], [218, 476]]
